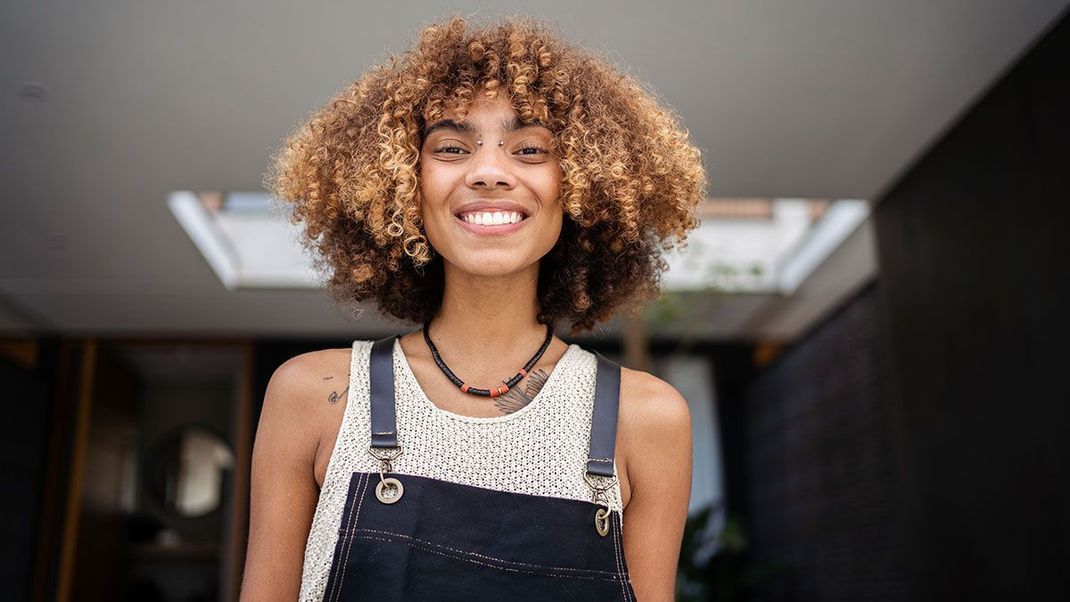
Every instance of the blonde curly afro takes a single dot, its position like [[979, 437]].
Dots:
[[631, 179]]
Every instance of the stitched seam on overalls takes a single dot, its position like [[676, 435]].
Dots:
[[628, 591], [545, 573], [610, 574], [618, 543], [358, 499], [347, 515], [343, 532], [616, 555]]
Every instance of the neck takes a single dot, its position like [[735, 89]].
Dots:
[[488, 317]]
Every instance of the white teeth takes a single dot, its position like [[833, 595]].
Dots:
[[495, 218]]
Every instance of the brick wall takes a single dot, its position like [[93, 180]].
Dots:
[[821, 472]]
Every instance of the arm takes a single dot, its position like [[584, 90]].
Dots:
[[283, 491], [656, 423]]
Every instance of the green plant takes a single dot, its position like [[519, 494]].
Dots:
[[723, 576]]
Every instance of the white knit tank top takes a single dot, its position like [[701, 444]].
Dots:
[[540, 449]]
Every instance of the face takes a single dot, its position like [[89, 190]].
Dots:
[[490, 209]]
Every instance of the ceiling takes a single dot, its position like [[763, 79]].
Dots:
[[108, 106]]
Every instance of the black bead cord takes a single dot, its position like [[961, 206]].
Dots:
[[487, 392]]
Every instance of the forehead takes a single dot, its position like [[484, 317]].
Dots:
[[484, 116]]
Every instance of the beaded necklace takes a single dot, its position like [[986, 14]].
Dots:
[[496, 391]]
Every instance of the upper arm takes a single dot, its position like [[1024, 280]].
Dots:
[[657, 423], [283, 491]]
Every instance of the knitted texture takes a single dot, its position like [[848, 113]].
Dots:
[[540, 449]]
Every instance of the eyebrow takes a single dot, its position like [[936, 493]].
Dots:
[[464, 127]]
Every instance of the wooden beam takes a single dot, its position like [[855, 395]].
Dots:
[[69, 544], [242, 429]]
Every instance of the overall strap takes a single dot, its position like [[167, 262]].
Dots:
[[604, 418], [381, 373]]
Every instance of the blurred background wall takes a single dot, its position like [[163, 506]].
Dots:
[[975, 277], [913, 446]]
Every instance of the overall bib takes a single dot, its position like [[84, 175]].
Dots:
[[406, 537]]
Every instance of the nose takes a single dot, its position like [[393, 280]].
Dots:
[[489, 168]]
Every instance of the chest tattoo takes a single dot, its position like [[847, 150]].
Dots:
[[515, 398]]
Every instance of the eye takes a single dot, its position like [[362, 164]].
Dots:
[[450, 150], [531, 150]]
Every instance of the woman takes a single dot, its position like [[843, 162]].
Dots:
[[486, 184]]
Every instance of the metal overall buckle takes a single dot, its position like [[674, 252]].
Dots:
[[389, 489], [601, 516]]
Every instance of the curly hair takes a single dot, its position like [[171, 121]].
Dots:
[[631, 179]]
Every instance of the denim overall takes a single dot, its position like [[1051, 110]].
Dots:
[[406, 537]]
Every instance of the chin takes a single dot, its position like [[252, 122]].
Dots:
[[493, 264], [491, 270]]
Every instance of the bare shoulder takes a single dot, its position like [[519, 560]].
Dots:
[[307, 381], [305, 399], [283, 488], [653, 430], [650, 405]]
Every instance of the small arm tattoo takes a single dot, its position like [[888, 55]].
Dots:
[[335, 396]]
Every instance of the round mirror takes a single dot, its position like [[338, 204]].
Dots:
[[184, 471]]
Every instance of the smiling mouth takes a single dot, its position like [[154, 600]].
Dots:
[[491, 218], [487, 223]]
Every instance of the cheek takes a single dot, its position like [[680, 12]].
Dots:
[[548, 185], [434, 192], [430, 181], [431, 196]]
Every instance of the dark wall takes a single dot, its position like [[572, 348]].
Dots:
[[822, 487], [916, 445], [23, 445], [974, 248]]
